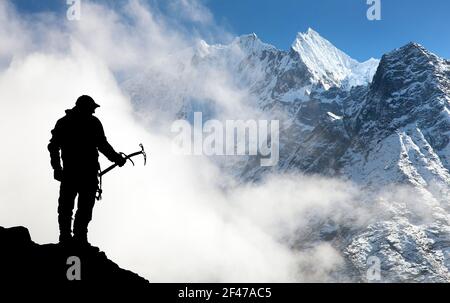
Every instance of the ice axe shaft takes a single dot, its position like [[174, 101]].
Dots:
[[127, 157]]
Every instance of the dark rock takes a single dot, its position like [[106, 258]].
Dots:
[[25, 263]]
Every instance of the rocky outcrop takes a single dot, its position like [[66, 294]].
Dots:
[[25, 263]]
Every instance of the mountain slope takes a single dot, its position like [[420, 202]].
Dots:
[[405, 110]]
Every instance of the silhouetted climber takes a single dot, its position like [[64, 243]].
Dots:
[[79, 136]]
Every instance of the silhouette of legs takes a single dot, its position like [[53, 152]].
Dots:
[[85, 186], [86, 201], [67, 194]]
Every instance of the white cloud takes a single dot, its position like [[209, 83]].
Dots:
[[192, 10]]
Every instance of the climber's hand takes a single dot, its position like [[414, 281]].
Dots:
[[58, 174], [121, 161]]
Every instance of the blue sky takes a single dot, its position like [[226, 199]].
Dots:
[[342, 22]]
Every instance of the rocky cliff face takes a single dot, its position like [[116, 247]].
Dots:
[[49, 266]]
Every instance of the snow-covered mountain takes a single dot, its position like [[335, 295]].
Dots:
[[329, 65], [312, 64], [377, 123], [273, 77], [399, 130]]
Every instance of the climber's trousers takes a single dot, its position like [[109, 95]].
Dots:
[[86, 200]]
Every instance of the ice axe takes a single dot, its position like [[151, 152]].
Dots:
[[126, 157]]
